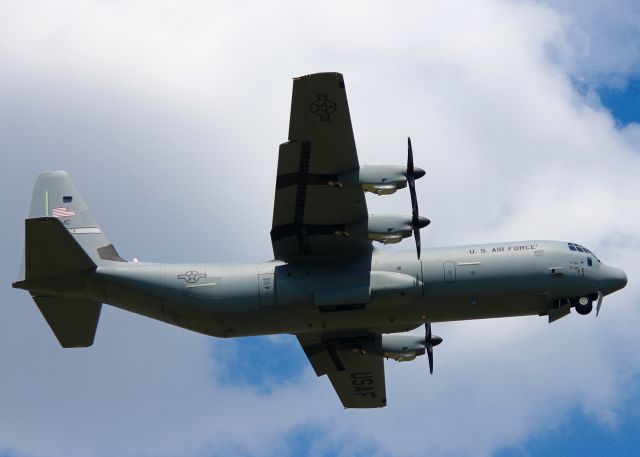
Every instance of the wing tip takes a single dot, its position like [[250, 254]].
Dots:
[[326, 74]]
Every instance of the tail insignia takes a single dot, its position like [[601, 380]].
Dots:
[[61, 211]]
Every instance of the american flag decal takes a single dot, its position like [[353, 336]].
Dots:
[[61, 211]]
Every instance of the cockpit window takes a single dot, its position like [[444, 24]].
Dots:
[[578, 248]]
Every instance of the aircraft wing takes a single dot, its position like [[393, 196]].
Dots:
[[311, 206], [357, 377]]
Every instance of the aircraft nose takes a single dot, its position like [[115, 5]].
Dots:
[[612, 279]]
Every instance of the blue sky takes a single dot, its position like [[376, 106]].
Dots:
[[624, 103], [168, 115], [581, 435]]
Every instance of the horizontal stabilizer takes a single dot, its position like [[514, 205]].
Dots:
[[50, 250], [73, 321]]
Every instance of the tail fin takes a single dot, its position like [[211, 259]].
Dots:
[[54, 195], [63, 241]]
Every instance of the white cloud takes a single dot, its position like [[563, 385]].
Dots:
[[601, 40], [168, 114]]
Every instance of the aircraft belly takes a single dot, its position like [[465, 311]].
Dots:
[[483, 306], [267, 322], [152, 291]]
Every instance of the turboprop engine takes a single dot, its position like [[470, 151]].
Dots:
[[378, 179], [381, 180], [389, 228], [404, 347], [385, 228]]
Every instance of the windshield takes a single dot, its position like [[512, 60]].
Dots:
[[578, 248]]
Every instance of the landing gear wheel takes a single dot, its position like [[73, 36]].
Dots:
[[584, 306]]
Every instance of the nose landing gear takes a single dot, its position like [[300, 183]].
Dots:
[[583, 305]]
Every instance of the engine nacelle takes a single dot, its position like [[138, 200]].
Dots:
[[383, 228], [377, 179], [382, 179], [389, 228], [392, 228], [401, 347]]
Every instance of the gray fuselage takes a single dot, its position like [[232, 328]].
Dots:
[[389, 291]]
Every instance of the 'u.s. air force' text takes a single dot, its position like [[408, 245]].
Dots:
[[503, 249]]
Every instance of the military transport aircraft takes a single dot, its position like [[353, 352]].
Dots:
[[344, 300]]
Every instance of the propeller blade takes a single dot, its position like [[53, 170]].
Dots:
[[411, 181], [416, 235], [600, 296], [429, 342], [427, 345], [430, 355]]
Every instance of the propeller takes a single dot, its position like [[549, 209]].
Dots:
[[600, 295], [429, 342], [413, 173]]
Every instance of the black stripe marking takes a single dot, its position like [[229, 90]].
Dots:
[[283, 231], [313, 179], [301, 197], [334, 357]]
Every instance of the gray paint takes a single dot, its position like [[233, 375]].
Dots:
[[403, 292]]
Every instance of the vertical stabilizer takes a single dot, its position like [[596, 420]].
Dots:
[[54, 195]]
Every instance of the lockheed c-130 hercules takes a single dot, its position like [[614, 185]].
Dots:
[[345, 301]]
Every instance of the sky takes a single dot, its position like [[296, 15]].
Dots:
[[168, 115]]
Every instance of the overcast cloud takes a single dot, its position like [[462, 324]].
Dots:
[[168, 115]]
